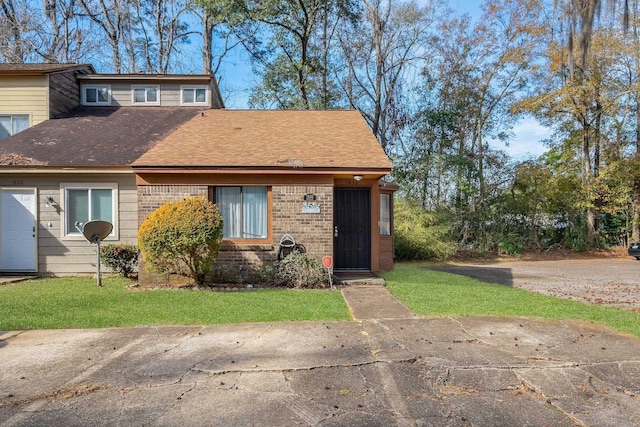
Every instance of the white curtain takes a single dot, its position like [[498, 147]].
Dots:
[[244, 210], [229, 202], [254, 212]]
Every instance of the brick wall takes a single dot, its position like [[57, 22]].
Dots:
[[313, 230], [150, 197]]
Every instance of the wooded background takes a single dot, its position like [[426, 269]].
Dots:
[[434, 87]]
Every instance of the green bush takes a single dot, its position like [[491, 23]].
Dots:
[[182, 237], [122, 258], [297, 270], [418, 235]]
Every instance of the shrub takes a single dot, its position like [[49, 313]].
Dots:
[[182, 235], [297, 270], [122, 258], [418, 235]]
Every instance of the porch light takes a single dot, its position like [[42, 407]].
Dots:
[[48, 202], [358, 177]]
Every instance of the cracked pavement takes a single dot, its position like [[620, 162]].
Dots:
[[403, 372]]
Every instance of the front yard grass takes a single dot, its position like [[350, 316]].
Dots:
[[76, 302], [434, 293]]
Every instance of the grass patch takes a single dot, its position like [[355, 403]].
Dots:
[[78, 303], [434, 293]]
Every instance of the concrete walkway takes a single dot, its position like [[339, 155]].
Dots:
[[374, 302]]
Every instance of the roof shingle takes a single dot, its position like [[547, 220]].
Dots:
[[270, 139], [39, 69], [95, 137]]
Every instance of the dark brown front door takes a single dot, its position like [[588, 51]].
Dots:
[[352, 229]]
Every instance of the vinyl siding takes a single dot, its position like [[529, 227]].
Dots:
[[63, 256], [25, 95], [122, 92]]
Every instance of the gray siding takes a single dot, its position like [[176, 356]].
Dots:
[[122, 92], [62, 256]]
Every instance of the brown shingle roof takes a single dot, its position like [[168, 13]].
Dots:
[[270, 139], [94, 137], [39, 69]]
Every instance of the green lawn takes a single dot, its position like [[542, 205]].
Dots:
[[433, 293], [79, 303]]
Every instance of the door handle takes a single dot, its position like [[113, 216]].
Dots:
[[335, 231], [34, 231]]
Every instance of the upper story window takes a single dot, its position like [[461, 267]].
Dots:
[[146, 95], [96, 95], [10, 124], [194, 95]]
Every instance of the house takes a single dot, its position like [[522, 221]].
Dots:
[[133, 142], [315, 175], [33, 93]]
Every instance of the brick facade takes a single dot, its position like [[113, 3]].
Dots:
[[313, 230]]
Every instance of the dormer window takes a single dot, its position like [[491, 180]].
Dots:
[[194, 95], [146, 95], [96, 95]]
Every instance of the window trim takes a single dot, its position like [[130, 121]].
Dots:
[[97, 87], [194, 87], [239, 241], [12, 115], [75, 234], [145, 102]]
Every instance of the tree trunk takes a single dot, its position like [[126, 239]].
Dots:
[[635, 233], [587, 182]]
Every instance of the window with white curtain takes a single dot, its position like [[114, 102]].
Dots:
[[244, 210], [10, 124], [88, 204], [385, 214]]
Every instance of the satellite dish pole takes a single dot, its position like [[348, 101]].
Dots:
[[95, 232]]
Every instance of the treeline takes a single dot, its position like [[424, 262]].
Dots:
[[435, 88]]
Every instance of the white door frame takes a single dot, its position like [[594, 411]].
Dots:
[[33, 210]]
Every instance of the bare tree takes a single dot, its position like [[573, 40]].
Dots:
[[14, 18], [380, 52]]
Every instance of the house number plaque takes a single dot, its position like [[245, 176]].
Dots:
[[311, 208]]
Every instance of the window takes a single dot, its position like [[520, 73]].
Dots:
[[145, 95], [385, 214], [84, 204], [244, 210], [96, 95], [10, 124], [194, 95]]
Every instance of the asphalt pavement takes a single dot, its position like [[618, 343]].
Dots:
[[386, 367]]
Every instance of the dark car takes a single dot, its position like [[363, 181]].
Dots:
[[634, 250]]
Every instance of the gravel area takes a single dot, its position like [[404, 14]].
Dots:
[[608, 281]]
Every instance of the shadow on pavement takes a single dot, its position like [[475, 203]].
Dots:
[[501, 276]]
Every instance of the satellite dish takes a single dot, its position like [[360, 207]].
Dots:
[[95, 232]]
